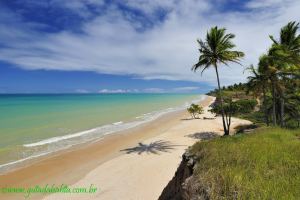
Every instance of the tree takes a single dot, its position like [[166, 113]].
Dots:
[[229, 108], [257, 83], [195, 110], [215, 50], [268, 69], [285, 53], [278, 74]]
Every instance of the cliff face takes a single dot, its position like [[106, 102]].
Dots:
[[184, 186]]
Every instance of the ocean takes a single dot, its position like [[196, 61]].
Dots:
[[38, 124]]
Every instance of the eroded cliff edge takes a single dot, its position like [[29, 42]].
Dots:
[[185, 186]]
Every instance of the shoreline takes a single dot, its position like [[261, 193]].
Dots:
[[116, 128], [107, 165], [83, 158]]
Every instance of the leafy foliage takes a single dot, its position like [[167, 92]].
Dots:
[[195, 110], [277, 76], [217, 49], [246, 105]]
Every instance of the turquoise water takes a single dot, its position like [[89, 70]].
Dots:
[[31, 125]]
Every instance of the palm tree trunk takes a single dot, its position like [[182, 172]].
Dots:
[[265, 107], [274, 104], [226, 132], [282, 112]]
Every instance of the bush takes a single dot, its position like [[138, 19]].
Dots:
[[246, 105], [230, 108], [234, 107], [195, 110]]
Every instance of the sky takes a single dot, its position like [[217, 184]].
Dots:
[[110, 46]]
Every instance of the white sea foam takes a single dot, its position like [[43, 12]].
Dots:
[[56, 139], [117, 123], [63, 142], [7, 165]]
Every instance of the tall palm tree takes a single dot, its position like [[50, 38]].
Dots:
[[215, 50], [258, 83], [287, 48], [267, 67], [285, 52], [266, 76]]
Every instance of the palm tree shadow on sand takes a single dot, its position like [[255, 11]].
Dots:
[[203, 135], [156, 147]]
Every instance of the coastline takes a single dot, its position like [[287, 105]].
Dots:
[[39, 149], [78, 165]]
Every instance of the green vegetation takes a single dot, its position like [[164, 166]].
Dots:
[[276, 79], [265, 163], [215, 50], [275, 83], [231, 108], [250, 108], [236, 91], [246, 105], [260, 165], [195, 110]]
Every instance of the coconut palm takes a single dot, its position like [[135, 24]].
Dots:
[[285, 53], [215, 50], [258, 83], [287, 48], [268, 68]]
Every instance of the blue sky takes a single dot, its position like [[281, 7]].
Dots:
[[58, 46]]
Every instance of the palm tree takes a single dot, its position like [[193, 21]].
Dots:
[[285, 52], [258, 82], [267, 67], [215, 50], [287, 48]]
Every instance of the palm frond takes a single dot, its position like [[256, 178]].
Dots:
[[217, 48]]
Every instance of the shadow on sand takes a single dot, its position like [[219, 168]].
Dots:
[[184, 119], [204, 118], [156, 147], [209, 118], [203, 135]]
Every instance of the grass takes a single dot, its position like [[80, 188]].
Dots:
[[261, 165]]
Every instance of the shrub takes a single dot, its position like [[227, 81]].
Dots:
[[195, 110], [240, 106], [246, 105]]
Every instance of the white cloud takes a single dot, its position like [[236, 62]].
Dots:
[[150, 90], [185, 89], [153, 90], [111, 43], [109, 91], [266, 3]]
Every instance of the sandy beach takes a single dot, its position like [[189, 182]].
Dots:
[[133, 164]]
